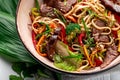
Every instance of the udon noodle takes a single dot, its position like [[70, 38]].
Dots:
[[80, 39]]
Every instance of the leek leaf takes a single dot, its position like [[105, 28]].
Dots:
[[11, 47]]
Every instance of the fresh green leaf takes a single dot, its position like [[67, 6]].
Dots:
[[10, 45], [18, 67], [9, 7], [15, 77], [65, 66]]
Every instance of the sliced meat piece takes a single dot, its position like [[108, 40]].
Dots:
[[49, 2], [51, 44], [47, 11], [64, 7], [103, 38], [96, 31], [111, 54], [100, 23], [112, 5], [98, 37]]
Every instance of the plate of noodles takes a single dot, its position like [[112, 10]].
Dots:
[[70, 36]]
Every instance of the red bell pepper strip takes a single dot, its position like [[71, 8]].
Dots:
[[63, 34], [33, 38], [117, 17], [115, 35], [98, 62], [80, 38]]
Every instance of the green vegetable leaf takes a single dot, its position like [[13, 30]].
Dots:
[[11, 47], [14, 77], [73, 27], [18, 68], [74, 56], [65, 66], [9, 7]]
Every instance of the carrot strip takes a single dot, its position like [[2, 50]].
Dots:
[[41, 29], [87, 55], [53, 25], [72, 18], [93, 55], [38, 46]]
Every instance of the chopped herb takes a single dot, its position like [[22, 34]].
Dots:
[[87, 30], [89, 41]]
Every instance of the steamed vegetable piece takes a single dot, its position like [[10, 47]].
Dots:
[[70, 57]]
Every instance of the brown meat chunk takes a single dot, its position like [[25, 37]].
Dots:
[[111, 54], [112, 5], [98, 37], [47, 11], [100, 23], [103, 38], [64, 7]]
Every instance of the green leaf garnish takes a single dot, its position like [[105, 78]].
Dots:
[[15, 77]]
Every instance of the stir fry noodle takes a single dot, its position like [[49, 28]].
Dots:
[[75, 35]]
